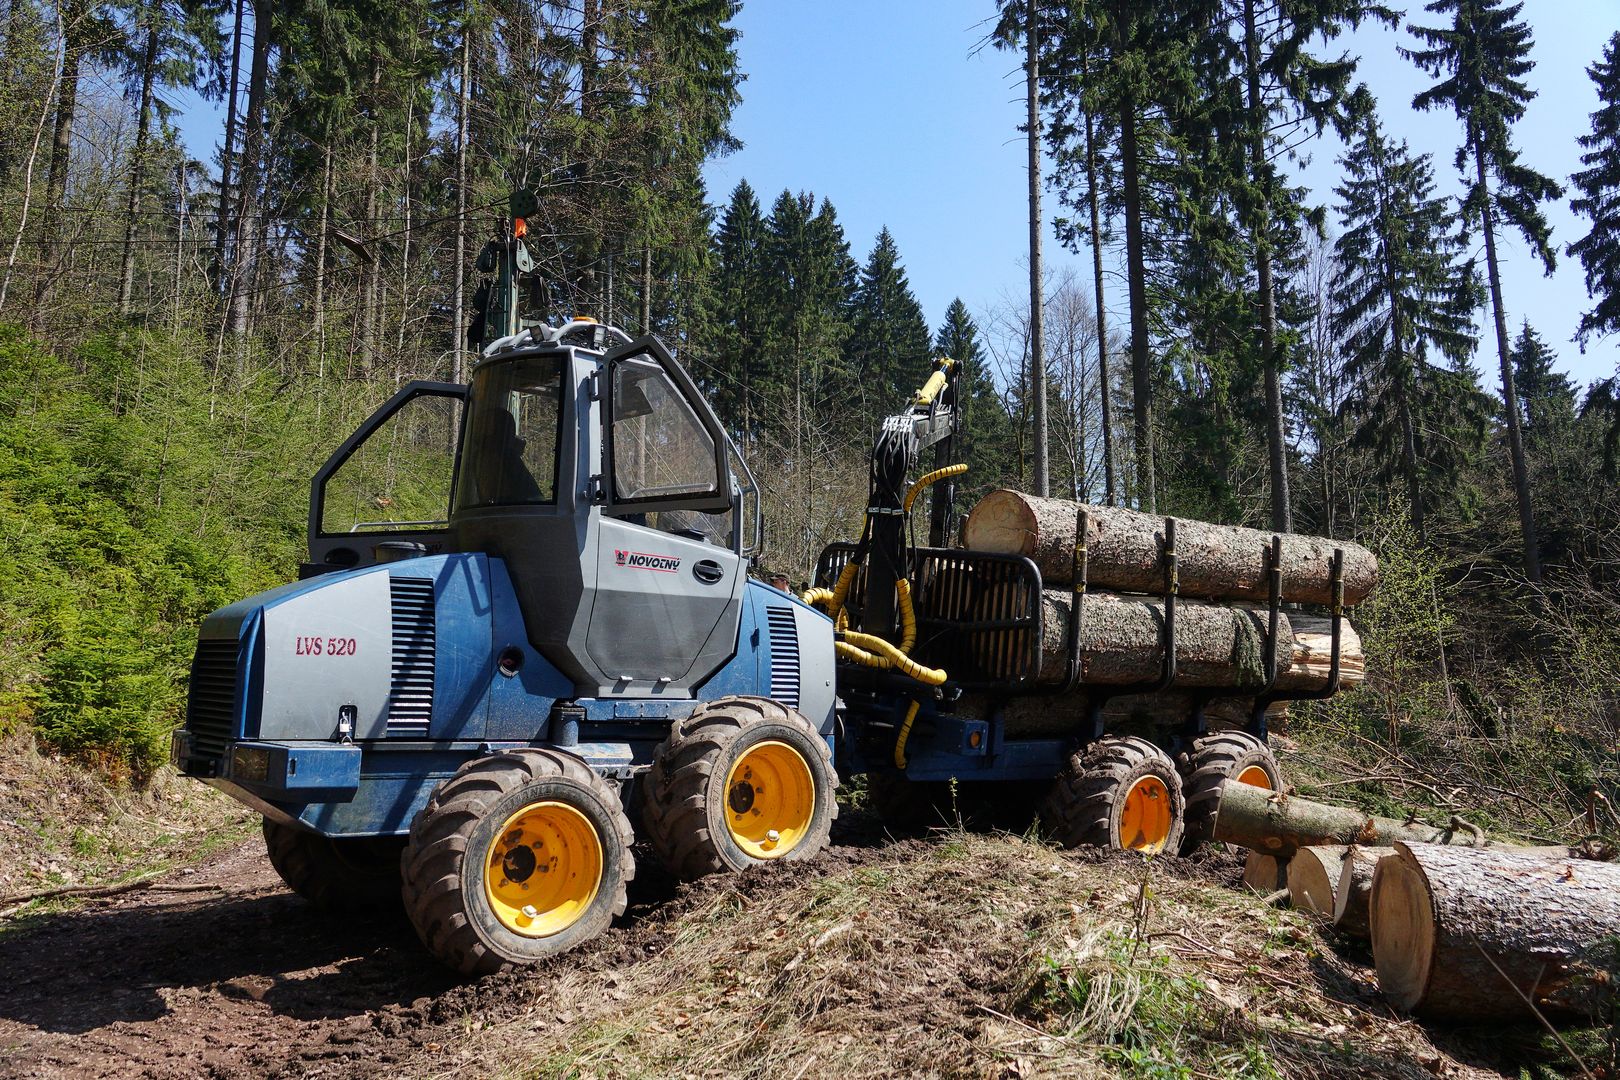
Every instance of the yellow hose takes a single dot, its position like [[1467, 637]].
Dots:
[[930, 478], [905, 733], [815, 596], [908, 615], [886, 655]]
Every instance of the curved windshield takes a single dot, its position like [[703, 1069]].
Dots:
[[509, 456]]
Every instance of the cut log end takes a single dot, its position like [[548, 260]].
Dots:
[[1313, 874], [1264, 874], [1403, 942]]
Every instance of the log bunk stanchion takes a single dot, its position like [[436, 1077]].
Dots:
[[1264, 700]]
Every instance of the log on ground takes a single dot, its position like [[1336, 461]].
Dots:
[[1122, 641], [1470, 934], [1264, 873], [1354, 889], [1222, 562], [1265, 821], [1313, 874]]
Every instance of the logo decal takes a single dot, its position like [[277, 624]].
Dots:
[[641, 560]]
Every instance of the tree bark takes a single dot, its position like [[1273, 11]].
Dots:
[[1279, 825], [1037, 287], [1468, 935], [1037, 717], [1136, 284], [137, 178], [370, 316], [1121, 641], [1313, 875], [458, 298], [1110, 492], [247, 224], [321, 243], [227, 155], [1510, 397], [1223, 562], [1282, 513], [1354, 889], [67, 99]]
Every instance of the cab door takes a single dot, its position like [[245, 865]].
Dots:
[[669, 572], [385, 493]]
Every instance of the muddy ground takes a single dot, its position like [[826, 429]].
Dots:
[[948, 955]]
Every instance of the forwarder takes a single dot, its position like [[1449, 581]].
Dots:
[[526, 622]]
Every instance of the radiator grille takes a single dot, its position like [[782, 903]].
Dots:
[[978, 614], [211, 709], [784, 655], [410, 692]]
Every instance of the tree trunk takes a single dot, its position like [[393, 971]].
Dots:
[[227, 155], [1264, 874], [247, 223], [1282, 513], [1468, 935], [370, 315], [1136, 284], [1313, 875], [1223, 562], [1354, 889], [1037, 299], [1510, 397], [1037, 717], [67, 100], [1121, 641], [458, 297], [137, 178], [1110, 492], [1279, 825], [321, 242], [646, 289]]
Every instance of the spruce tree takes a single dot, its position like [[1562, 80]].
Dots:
[[1401, 291], [1599, 201], [889, 344], [741, 309], [1480, 60], [1546, 395], [986, 429]]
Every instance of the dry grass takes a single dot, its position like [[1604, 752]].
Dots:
[[960, 956], [61, 824]]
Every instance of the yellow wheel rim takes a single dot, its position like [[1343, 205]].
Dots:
[[770, 800], [1144, 824], [544, 869], [1255, 776]]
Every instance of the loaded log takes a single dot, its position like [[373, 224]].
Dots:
[[1264, 821], [1122, 641], [1143, 714], [1470, 934], [1221, 562]]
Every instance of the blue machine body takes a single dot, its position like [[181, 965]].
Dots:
[[489, 690]]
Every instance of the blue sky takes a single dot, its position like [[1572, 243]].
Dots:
[[885, 108]]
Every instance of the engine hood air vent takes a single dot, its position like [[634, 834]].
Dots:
[[410, 692]]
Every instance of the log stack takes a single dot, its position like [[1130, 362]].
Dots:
[[1221, 620]]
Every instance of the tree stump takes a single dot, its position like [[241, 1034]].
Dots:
[[1469, 934]]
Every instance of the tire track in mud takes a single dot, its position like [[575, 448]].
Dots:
[[251, 981]]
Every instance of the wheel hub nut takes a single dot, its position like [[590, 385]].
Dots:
[[530, 912], [773, 836]]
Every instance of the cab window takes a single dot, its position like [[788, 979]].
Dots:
[[398, 479], [660, 447], [509, 456]]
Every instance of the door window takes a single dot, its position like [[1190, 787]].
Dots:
[[660, 447], [510, 458], [398, 479]]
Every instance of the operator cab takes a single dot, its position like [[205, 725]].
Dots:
[[593, 468]]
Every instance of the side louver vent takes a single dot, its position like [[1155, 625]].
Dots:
[[211, 710], [784, 655], [410, 694]]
